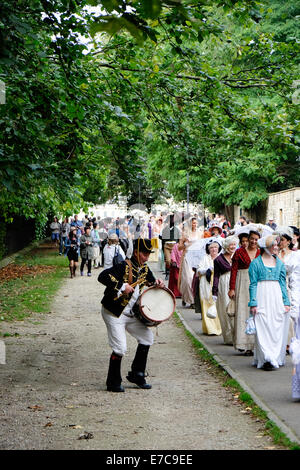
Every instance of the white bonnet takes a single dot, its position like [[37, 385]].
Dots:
[[267, 242], [284, 231]]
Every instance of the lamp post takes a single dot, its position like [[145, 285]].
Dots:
[[298, 212], [138, 176], [187, 193]]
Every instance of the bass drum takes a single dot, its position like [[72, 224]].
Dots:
[[156, 305]]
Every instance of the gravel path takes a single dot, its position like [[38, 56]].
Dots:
[[53, 387]]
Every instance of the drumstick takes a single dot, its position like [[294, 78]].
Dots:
[[132, 285]]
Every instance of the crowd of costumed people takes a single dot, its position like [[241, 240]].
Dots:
[[242, 280]]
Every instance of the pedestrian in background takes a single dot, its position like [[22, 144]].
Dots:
[[111, 249], [272, 223], [103, 240], [64, 232], [72, 245], [170, 235], [55, 231], [86, 251], [225, 229], [96, 245], [78, 224]]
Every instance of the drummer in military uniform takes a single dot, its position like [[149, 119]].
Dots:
[[119, 310]]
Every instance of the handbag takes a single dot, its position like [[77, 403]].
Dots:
[[295, 350], [230, 309], [212, 312], [250, 326], [118, 258]]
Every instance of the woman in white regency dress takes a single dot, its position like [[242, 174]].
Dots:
[[186, 273], [295, 342], [210, 326], [295, 315], [269, 304], [290, 259]]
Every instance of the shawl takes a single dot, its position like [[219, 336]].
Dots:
[[240, 260], [221, 266]]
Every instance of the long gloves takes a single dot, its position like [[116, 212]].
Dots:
[[208, 275]]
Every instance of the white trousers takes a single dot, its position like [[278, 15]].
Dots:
[[96, 250], [117, 327]]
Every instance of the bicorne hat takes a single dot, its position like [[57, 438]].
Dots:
[[143, 245]]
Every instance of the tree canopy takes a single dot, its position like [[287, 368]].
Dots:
[[132, 96]]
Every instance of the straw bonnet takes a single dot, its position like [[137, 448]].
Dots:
[[113, 236]]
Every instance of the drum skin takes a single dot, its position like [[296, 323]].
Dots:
[[157, 304]]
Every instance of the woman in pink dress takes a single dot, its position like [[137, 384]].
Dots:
[[176, 255]]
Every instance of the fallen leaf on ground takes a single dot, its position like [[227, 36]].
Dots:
[[86, 435], [18, 271]]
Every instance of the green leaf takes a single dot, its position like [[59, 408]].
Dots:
[[152, 8]]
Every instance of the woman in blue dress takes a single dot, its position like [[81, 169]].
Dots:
[[269, 304]]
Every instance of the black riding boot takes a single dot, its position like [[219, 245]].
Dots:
[[114, 378], [138, 367]]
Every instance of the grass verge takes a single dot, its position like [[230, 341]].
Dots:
[[30, 284], [250, 407]]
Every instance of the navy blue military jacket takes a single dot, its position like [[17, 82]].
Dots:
[[113, 278]]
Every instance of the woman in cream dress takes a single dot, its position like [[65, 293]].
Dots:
[[190, 235], [239, 290], [210, 326], [222, 269]]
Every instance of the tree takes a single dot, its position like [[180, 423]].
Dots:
[[165, 88], [245, 144]]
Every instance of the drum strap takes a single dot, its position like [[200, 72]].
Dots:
[[130, 271], [129, 275]]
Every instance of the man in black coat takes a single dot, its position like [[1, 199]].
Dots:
[[170, 235], [119, 307]]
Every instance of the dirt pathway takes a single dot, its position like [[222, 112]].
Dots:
[[52, 388]]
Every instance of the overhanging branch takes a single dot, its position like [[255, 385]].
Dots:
[[239, 83]]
